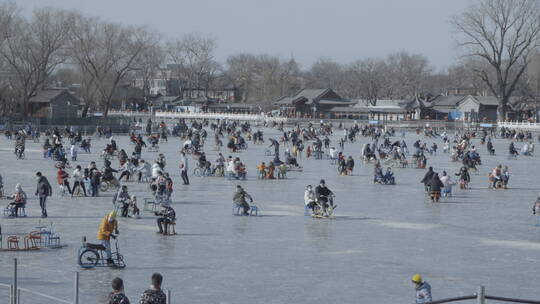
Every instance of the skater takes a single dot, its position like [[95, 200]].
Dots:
[[73, 152], [43, 190], [143, 171], [310, 199], [108, 175], [95, 180], [349, 165], [19, 201], [427, 179], [123, 201], [184, 168], [536, 211], [154, 295], [464, 178], [274, 143], [126, 170], [447, 184], [324, 196], [435, 186], [388, 178], [78, 180], [117, 295], [63, 180], [167, 216], [239, 199], [512, 150], [423, 290], [107, 227]]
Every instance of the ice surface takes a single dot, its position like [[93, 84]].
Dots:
[[381, 235]]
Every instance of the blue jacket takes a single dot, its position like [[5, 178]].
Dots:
[[423, 293]]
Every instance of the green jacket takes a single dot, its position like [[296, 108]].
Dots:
[[240, 197]]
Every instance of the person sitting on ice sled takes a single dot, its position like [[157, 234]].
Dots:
[[324, 196], [239, 199]]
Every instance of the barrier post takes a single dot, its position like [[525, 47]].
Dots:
[[15, 289], [481, 295], [76, 295], [169, 296]]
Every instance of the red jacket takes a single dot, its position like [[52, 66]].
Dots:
[[61, 175]]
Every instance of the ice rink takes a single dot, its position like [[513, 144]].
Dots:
[[380, 236]]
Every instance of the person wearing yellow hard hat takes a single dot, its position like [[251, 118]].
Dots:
[[423, 289], [107, 226]]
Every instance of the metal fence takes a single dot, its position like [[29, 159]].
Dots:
[[519, 125], [86, 125], [16, 292], [481, 297]]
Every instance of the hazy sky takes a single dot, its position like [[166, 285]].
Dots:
[[343, 30]]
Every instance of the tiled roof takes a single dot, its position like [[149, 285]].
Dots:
[[445, 101], [45, 96]]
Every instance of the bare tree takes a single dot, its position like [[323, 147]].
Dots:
[[193, 61], [533, 71], [408, 73], [107, 52], [326, 73], [148, 65], [263, 78], [274, 77], [462, 75], [368, 78], [241, 70], [32, 50], [8, 15], [502, 33]]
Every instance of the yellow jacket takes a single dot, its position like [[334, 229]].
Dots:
[[106, 228]]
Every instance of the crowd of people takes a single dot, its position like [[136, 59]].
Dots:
[[286, 152]]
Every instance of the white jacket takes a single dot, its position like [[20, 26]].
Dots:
[[73, 150], [77, 175], [309, 196], [155, 170], [230, 167], [447, 181], [144, 168], [184, 164], [333, 152], [128, 166]]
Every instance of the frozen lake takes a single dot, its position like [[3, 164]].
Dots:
[[381, 235]]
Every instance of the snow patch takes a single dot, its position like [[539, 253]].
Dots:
[[413, 226], [513, 244], [344, 252]]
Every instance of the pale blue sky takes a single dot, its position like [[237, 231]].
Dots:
[[343, 30]]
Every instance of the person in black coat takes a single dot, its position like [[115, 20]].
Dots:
[[435, 186], [43, 190], [427, 178]]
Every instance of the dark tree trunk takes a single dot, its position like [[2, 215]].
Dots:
[[501, 111], [84, 112]]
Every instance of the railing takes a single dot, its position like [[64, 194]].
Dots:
[[200, 115], [230, 116], [42, 295], [129, 113], [16, 291], [10, 287], [15, 294], [519, 125], [481, 298]]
